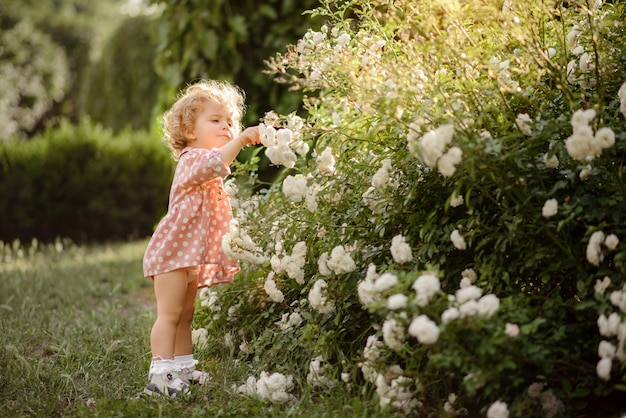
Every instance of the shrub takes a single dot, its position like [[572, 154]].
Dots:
[[84, 183], [447, 229]]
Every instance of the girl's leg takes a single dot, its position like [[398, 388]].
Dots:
[[184, 348], [183, 345], [170, 290]]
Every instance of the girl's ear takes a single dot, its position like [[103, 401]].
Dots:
[[188, 132]]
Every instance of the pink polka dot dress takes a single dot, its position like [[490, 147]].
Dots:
[[199, 214]]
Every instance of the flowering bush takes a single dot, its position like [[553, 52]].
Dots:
[[446, 231]]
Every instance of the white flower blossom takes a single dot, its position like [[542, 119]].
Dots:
[[385, 281], [292, 264], [456, 200], [322, 265], [400, 250], [317, 373], [274, 387], [425, 286], [606, 350], [318, 298], [393, 334], [397, 301], [488, 305], [468, 293], [239, 246], [611, 241], [594, 251], [512, 330], [498, 409], [272, 291], [397, 393], [469, 308], [448, 161], [278, 145], [245, 348], [521, 122], [609, 327], [450, 315], [371, 353], [367, 293], [294, 187], [340, 261], [551, 405], [618, 298], [603, 368], [424, 329], [585, 62], [343, 40], [310, 199], [326, 162], [289, 321], [622, 99], [381, 178], [470, 274], [551, 162], [457, 240], [209, 299], [200, 338], [585, 173], [432, 145], [601, 285], [550, 208], [583, 144], [535, 389]]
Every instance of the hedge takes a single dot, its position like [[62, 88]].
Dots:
[[83, 183]]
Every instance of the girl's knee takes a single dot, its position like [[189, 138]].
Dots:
[[187, 313]]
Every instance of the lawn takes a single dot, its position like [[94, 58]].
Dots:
[[75, 322]]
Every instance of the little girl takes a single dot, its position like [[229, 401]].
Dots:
[[202, 130]]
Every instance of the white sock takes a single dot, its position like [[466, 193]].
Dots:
[[161, 366], [186, 361]]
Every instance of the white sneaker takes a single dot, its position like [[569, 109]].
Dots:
[[193, 376], [167, 383]]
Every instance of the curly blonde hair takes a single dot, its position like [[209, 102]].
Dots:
[[192, 101]]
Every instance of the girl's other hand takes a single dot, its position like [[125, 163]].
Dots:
[[250, 136]]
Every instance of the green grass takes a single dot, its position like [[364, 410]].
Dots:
[[75, 325]]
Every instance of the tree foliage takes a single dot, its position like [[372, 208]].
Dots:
[[48, 47], [121, 88], [229, 40]]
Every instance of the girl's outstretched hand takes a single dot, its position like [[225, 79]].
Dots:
[[250, 136]]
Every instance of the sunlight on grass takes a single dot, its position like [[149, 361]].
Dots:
[[76, 323]]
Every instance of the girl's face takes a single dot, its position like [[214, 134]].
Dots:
[[214, 127]]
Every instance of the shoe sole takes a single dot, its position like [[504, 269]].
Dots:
[[152, 389]]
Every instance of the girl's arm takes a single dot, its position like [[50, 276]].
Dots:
[[232, 148]]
